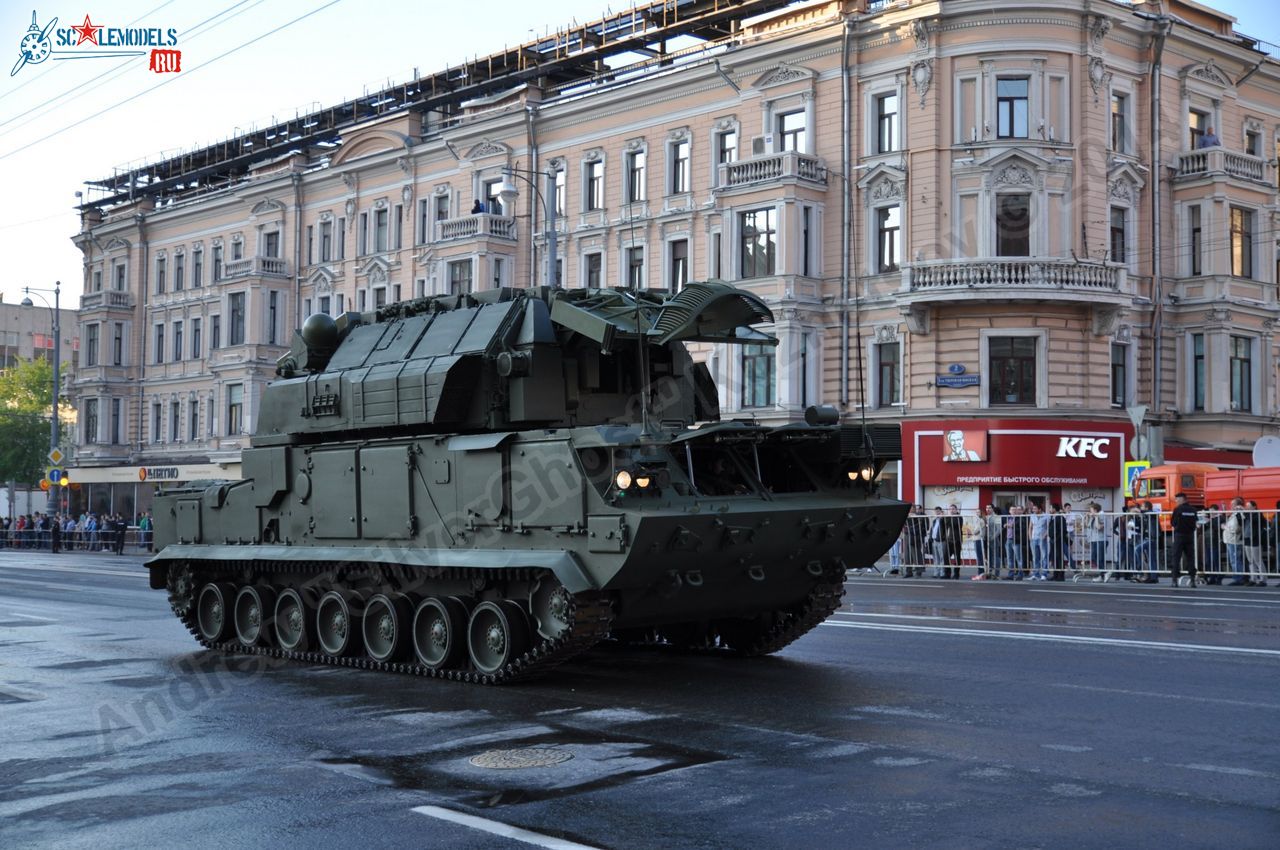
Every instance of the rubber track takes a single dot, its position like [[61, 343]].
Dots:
[[589, 616], [823, 601]]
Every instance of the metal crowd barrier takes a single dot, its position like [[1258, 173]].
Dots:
[[135, 540], [1230, 547]]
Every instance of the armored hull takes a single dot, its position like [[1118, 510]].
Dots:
[[481, 487]]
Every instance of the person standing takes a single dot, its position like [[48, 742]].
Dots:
[[995, 541], [1039, 544], [1233, 539], [1057, 542], [1015, 536], [918, 534], [1095, 534], [955, 540], [978, 533], [938, 541], [1073, 525], [1254, 528], [1154, 542], [55, 534], [1183, 519], [1211, 545]]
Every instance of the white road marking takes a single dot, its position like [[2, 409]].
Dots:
[[1023, 608], [494, 827], [1158, 695], [32, 617], [1231, 771], [963, 620], [1102, 641], [5, 565], [1181, 596]]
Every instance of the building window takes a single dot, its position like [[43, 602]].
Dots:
[[791, 131], [558, 181], [362, 300], [195, 339], [679, 264], [90, 421], [362, 235], [116, 411], [273, 317], [271, 244], [594, 187], [1011, 107], [1012, 369], [211, 415], [397, 229], [193, 420], [97, 280], [1193, 218], [1253, 143], [757, 375], [1119, 235], [1119, 374], [324, 304], [806, 241], [442, 208], [175, 422], [1241, 242], [235, 330], [717, 272], [117, 344], [197, 268], [179, 272], [235, 409], [160, 275], [1241, 373], [759, 242], [635, 177], [888, 239], [156, 436], [887, 136], [1197, 371], [635, 267], [342, 238], [1198, 124], [237, 249], [118, 277], [1013, 226], [159, 347], [594, 270], [679, 167], [888, 374], [217, 263], [91, 345], [215, 332], [1119, 122], [326, 241], [726, 147], [177, 341], [459, 277]]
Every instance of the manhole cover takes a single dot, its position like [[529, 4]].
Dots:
[[521, 758]]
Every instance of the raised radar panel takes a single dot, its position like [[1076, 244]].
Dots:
[[478, 487]]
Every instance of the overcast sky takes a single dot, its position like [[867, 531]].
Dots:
[[244, 63]]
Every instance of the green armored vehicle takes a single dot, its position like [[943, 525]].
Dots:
[[480, 486]]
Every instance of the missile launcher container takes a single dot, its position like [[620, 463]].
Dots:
[[478, 487]]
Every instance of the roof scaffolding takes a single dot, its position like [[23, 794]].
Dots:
[[572, 55]]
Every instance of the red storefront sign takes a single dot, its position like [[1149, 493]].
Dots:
[[1020, 454]]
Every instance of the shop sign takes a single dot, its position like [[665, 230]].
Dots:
[[1030, 456], [157, 473], [958, 380], [1084, 446]]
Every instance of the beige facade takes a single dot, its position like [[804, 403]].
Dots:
[[957, 198], [27, 333]]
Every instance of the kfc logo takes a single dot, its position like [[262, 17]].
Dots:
[[1084, 447]]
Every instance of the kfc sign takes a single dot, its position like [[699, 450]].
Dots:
[[1084, 447]]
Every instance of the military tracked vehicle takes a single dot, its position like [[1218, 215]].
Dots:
[[480, 486]]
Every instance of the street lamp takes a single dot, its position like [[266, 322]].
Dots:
[[508, 190], [52, 506]]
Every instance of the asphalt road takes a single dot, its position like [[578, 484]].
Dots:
[[926, 713]]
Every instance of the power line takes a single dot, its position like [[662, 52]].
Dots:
[[166, 82]]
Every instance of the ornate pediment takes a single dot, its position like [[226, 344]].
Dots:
[[880, 175], [1208, 72], [782, 74], [887, 333], [486, 148], [375, 268], [1124, 181], [118, 244], [266, 207], [1016, 169], [322, 279]]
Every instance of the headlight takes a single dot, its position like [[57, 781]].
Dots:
[[623, 480], [867, 473], [642, 480]]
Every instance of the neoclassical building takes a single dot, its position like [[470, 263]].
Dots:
[[1016, 220]]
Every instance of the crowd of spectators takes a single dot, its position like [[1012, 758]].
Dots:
[[91, 532]]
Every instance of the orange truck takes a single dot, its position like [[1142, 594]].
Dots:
[[1260, 484], [1159, 484]]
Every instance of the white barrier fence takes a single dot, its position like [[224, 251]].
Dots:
[[1228, 547]]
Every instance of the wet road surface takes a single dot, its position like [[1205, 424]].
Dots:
[[926, 713]]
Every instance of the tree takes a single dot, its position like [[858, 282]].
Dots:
[[25, 392]]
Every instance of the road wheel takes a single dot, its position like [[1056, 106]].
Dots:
[[386, 623], [213, 610], [497, 634], [255, 609], [439, 632], [550, 605], [293, 624], [338, 622]]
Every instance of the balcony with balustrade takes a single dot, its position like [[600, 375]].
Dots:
[[477, 226], [784, 167], [264, 267], [1016, 279], [106, 301], [1218, 162]]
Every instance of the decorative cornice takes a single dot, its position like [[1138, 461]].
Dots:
[[1209, 73], [921, 77], [486, 148], [1098, 31], [920, 32], [1099, 77], [783, 73]]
